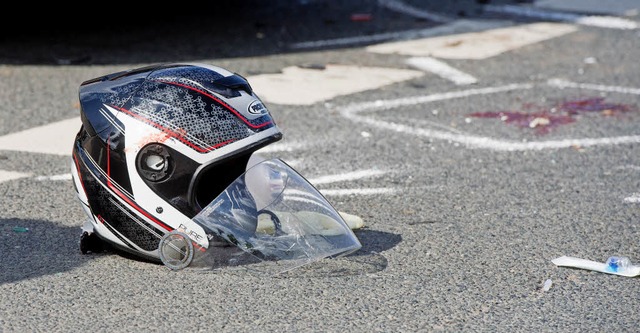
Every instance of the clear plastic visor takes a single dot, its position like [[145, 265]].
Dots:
[[274, 217]]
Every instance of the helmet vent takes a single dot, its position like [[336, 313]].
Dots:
[[154, 162]]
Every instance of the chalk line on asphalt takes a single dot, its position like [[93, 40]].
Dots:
[[560, 83], [457, 26], [441, 69], [635, 198], [358, 191], [610, 22], [347, 176], [478, 44], [282, 146], [64, 176], [403, 8], [355, 113]]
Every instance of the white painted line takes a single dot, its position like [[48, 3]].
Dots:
[[441, 69], [560, 83], [353, 112], [358, 191], [11, 175], [457, 26], [595, 21], [401, 7], [635, 198], [55, 138], [476, 45], [608, 7], [282, 146], [294, 162], [607, 22], [346, 176], [629, 167], [358, 40], [304, 86], [394, 103], [65, 176]]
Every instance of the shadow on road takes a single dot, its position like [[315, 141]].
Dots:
[[33, 248], [368, 260], [219, 29]]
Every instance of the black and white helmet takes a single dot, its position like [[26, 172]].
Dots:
[[157, 145]]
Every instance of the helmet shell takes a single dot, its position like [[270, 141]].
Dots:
[[158, 143]]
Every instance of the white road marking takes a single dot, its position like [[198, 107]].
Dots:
[[612, 7], [55, 138], [560, 83], [476, 45], [295, 162], [607, 22], [358, 191], [635, 198], [629, 167], [441, 69], [282, 146], [394, 103], [457, 26], [353, 112], [64, 176], [592, 20], [401, 7], [358, 40], [346, 176], [11, 175], [304, 86]]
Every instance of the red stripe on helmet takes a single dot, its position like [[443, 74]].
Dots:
[[126, 198], [75, 161]]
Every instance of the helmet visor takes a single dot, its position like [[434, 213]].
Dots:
[[276, 218]]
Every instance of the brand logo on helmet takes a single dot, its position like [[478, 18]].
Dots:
[[256, 107]]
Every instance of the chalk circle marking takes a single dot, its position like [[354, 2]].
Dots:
[[355, 112]]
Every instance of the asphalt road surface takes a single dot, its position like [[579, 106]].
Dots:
[[478, 141]]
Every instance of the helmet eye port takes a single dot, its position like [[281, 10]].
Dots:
[[154, 162]]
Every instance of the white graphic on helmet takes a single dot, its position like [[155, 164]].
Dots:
[[256, 107]]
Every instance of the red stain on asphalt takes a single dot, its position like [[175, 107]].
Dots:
[[594, 105], [541, 122], [543, 119]]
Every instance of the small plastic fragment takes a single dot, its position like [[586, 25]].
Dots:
[[618, 265], [539, 121], [20, 229], [547, 285]]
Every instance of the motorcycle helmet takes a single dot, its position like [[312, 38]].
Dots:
[[164, 168]]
